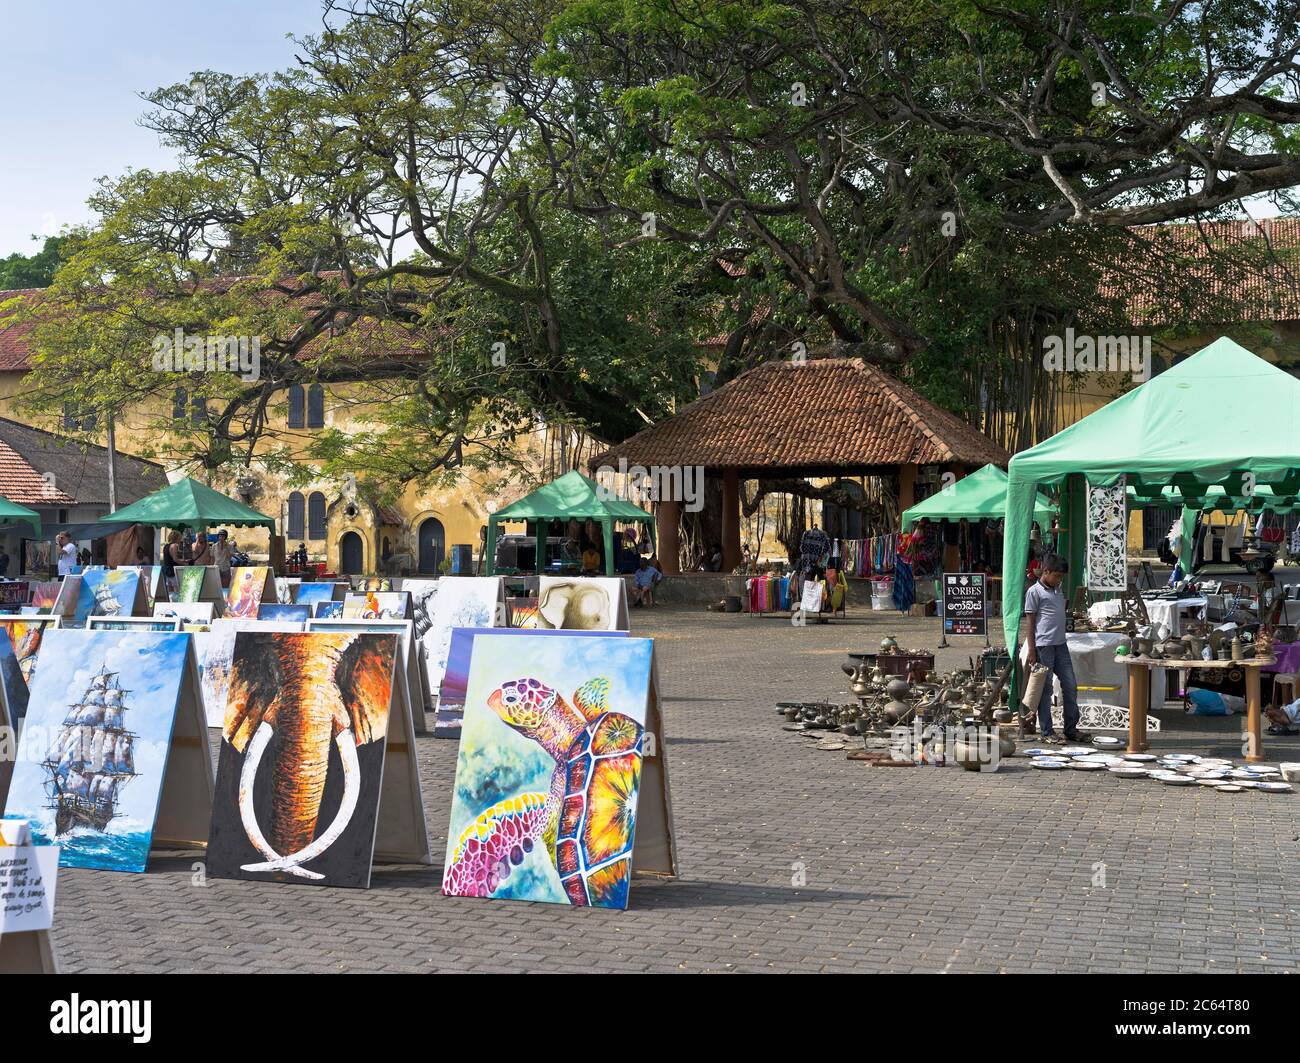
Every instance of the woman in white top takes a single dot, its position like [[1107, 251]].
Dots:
[[221, 556]]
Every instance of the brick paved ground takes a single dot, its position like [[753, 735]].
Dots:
[[906, 869]]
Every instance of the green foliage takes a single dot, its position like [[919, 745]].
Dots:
[[467, 217], [32, 271]]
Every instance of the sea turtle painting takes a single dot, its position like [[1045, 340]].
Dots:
[[585, 822]]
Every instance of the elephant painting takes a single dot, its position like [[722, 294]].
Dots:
[[302, 755], [580, 604]]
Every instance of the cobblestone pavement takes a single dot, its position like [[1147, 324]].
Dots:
[[901, 869]]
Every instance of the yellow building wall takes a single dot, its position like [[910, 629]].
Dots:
[[462, 508]]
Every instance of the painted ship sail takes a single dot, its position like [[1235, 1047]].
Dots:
[[91, 757]]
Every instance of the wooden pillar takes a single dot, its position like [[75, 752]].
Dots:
[[1254, 735], [730, 519], [1139, 692], [669, 544], [906, 487]]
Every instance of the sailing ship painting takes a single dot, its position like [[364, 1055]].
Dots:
[[93, 749], [106, 592], [91, 757]]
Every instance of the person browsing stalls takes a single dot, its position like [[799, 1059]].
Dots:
[[1045, 610]]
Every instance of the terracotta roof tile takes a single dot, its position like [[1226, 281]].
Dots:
[[1260, 281], [21, 483], [80, 469], [830, 413], [13, 340]]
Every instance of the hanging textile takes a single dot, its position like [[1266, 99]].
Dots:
[[904, 586], [1108, 537]]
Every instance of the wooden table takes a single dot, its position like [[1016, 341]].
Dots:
[[1139, 692]]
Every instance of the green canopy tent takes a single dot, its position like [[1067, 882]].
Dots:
[[1223, 417], [1216, 499], [980, 496], [190, 504], [12, 513], [571, 497]]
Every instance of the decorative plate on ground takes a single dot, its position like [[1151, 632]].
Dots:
[[1274, 787], [1141, 758], [1107, 742]]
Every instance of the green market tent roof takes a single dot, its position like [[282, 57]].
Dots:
[[1216, 498], [1214, 419], [571, 497], [981, 495], [13, 513], [192, 504]]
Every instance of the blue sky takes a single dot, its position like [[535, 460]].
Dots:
[[70, 78]]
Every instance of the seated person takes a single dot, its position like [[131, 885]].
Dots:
[[643, 582], [591, 561], [1284, 718]]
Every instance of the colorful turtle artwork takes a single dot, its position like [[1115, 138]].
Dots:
[[586, 822]]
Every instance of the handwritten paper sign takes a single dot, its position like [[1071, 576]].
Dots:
[[28, 875]]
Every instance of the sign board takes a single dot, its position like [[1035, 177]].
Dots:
[[965, 603], [28, 874], [14, 594]]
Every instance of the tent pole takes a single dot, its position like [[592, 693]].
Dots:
[[607, 529]]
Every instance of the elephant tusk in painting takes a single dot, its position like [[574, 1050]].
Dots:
[[292, 808], [347, 747]]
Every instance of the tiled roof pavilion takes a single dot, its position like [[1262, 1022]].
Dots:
[[822, 417]]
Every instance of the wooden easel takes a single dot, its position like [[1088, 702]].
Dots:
[[401, 834], [28, 952], [654, 849], [185, 802]]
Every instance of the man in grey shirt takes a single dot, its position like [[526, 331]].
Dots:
[[1045, 608]]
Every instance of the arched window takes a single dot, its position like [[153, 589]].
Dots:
[[294, 530], [296, 419], [316, 406], [198, 410], [74, 422], [315, 515]]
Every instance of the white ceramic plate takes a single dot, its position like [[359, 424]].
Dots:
[[1176, 780], [1107, 742], [1141, 758], [1275, 787], [1087, 765], [1046, 765], [1228, 788]]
